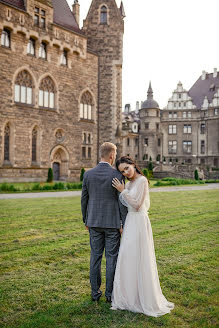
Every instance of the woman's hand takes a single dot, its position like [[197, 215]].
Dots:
[[118, 185]]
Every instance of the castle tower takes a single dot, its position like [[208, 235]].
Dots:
[[150, 134], [104, 27]]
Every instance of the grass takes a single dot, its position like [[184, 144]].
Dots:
[[44, 268]]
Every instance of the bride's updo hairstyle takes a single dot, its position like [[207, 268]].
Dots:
[[128, 160]]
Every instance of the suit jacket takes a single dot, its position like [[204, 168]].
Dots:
[[100, 203]]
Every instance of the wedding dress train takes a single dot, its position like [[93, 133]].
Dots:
[[136, 284]]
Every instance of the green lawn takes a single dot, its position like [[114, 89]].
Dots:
[[44, 265]]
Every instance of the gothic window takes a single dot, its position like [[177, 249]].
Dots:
[[170, 114], [34, 145], [216, 111], [146, 141], [187, 147], [31, 47], [7, 143], [24, 88], [86, 106], [5, 38], [146, 125], [128, 142], [184, 114], [103, 15], [189, 114], [43, 50], [172, 147], [47, 93], [175, 115], [89, 153], [158, 142], [64, 58], [83, 152], [89, 138]]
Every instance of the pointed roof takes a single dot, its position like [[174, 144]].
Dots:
[[150, 102], [63, 15], [122, 10]]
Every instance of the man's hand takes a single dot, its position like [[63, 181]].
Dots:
[[87, 227], [121, 230]]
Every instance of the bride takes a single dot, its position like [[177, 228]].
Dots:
[[136, 284]]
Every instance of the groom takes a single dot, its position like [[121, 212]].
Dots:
[[104, 216]]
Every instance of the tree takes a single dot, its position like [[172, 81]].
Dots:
[[146, 173], [196, 175], [50, 175], [82, 174]]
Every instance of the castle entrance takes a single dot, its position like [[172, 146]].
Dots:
[[60, 163]]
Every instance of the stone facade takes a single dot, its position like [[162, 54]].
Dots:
[[185, 132], [104, 27], [52, 91]]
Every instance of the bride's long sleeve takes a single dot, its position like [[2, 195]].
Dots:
[[135, 198]]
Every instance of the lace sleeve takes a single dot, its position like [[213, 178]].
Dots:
[[135, 196]]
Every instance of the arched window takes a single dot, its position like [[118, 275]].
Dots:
[[7, 143], [34, 145], [86, 106], [31, 47], [64, 58], [103, 15], [43, 50], [5, 38], [47, 93], [24, 88]]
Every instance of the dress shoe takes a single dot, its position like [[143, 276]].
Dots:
[[98, 297], [108, 299]]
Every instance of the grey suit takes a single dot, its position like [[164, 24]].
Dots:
[[103, 213]]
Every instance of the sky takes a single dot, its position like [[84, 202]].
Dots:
[[165, 41]]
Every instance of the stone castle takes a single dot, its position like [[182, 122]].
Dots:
[[61, 86], [181, 136]]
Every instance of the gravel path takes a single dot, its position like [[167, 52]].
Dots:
[[78, 193]]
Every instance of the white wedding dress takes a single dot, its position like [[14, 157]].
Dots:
[[136, 284]]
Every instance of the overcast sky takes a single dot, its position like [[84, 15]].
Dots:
[[165, 41]]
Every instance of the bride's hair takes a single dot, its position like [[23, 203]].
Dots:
[[128, 160]]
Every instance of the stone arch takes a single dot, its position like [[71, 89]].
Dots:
[[17, 72], [35, 142], [44, 76], [11, 154], [94, 106], [103, 9], [60, 156]]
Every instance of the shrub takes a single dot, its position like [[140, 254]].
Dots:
[[146, 173], [8, 187], [50, 175], [82, 174], [36, 186], [59, 186], [196, 175], [150, 166]]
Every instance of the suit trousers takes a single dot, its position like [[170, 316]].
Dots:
[[109, 239]]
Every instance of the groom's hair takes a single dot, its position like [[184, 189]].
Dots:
[[106, 148]]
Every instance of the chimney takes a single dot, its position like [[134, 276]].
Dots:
[[215, 73], [76, 11], [203, 75]]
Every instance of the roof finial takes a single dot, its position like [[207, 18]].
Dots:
[[150, 91]]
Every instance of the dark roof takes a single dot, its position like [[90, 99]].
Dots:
[[63, 15], [15, 3], [150, 103], [202, 88]]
